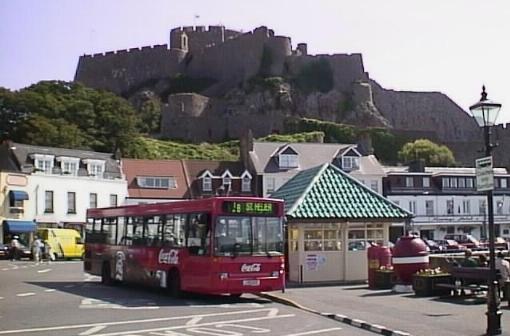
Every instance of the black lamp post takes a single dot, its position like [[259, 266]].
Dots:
[[485, 113]]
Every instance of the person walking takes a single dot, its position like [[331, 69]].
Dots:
[[504, 272], [37, 247], [47, 251]]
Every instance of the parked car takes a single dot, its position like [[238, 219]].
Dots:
[[500, 243], [433, 246], [450, 245], [466, 240], [4, 251]]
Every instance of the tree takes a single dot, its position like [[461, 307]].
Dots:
[[67, 114], [433, 154]]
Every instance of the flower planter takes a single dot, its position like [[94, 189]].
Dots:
[[383, 279], [425, 285]]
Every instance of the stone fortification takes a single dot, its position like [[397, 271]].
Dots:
[[124, 70], [230, 62]]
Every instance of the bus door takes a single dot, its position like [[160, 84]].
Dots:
[[197, 267], [133, 267]]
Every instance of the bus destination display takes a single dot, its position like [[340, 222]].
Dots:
[[249, 208]]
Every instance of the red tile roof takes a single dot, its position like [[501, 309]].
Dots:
[[157, 168]]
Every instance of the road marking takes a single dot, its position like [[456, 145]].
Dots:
[[25, 294], [127, 304], [161, 319], [5, 269], [254, 330], [44, 270], [314, 332], [92, 330], [49, 290], [1, 297]]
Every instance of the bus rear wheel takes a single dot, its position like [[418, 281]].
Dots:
[[174, 284], [106, 275]]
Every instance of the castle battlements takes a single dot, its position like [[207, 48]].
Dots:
[[125, 51]]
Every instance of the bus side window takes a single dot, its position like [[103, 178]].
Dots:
[[121, 230], [127, 239], [150, 233], [137, 236], [109, 229], [198, 230]]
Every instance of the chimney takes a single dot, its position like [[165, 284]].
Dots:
[[364, 145], [245, 147], [417, 166]]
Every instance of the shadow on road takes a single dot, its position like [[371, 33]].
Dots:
[[133, 296]]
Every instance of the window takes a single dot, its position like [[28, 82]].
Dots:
[[409, 181], [503, 183], [359, 237], [48, 201], [446, 182], [69, 165], [95, 167], [449, 207], [227, 180], [462, 182], [429, 208], [326, 237], [93, 200], [412, 207], [469, 183], [246, 184], [113, 200], [206, 183], [374, 185], [288, 161], [270, 184], [44, 162], [426, 182], [156, 182], [466, 206], [453, 182], [482, 207], [71, 202], [174, 230], [198, 233], [293, 239], [350, 162]]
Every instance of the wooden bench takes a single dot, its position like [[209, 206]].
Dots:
[[474, 279]]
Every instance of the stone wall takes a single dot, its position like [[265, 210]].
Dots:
[[124, 70], [199, 38]]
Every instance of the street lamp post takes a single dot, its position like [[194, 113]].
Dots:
[[485, 112]]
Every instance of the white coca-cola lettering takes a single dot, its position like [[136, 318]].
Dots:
[[250, 268], [168, 257]]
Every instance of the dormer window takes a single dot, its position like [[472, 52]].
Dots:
[[288, 158], [156, 182], [226, 179], [246, 182], [206, 181], [350, 162], [95, 167], [43, 162], [69, 165]]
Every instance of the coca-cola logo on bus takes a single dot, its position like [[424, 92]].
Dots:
[[250, 268], [169, 257]]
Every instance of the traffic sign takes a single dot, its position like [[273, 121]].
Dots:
[[484, 174]]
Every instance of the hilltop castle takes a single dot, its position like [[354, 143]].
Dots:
[[250, 84]]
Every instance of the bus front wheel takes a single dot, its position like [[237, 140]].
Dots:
[[174, 284]]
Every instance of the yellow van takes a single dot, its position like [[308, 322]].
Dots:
[[64, 243]]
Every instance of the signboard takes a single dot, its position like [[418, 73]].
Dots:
[[250, 207], [484, 174]]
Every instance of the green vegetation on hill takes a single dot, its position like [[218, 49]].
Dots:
[[433, 154]]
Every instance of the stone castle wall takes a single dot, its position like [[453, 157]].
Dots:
[[199, 37], [124, 70]]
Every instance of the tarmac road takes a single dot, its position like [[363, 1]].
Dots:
[[59, 299]]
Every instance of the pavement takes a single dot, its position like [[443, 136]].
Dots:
[[388, 313]]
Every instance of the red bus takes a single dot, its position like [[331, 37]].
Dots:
[[219, 245]]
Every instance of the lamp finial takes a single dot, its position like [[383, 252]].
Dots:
[[484, 94]]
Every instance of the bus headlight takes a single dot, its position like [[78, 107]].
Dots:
[[275, 274], [223, 276]]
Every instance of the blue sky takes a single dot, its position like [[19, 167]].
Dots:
[[451, 46]]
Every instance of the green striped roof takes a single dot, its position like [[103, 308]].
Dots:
[[327, 192]]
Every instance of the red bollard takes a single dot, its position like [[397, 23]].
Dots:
[[377, 256]]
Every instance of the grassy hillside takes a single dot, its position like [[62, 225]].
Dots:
[[147, 148]]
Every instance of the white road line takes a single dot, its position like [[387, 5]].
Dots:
[[25, 294], [1, 297], [161, 319], [92, 330], [44, 270], [314, 332], [49, 290], [5, 269]]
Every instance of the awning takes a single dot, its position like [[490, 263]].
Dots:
[[18, 195], [15, 226]]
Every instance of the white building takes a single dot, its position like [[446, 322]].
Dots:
[[62, 183], [444, 200], [275, 162]]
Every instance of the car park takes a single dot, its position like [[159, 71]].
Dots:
[[433, 246], [450, 245], [465, 240]]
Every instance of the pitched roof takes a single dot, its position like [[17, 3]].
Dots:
[[326, 192], [310, 154], [158, 168]]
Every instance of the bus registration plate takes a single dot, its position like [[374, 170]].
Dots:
[[251, 282]]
